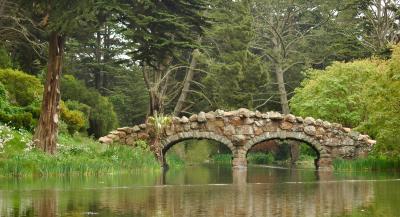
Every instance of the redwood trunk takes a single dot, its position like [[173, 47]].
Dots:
[[45, 137]]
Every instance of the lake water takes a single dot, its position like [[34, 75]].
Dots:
[[206, 190]]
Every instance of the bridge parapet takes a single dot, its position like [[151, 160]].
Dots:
[[241, 129]]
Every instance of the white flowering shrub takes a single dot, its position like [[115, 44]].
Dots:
[[6, 134], [16, 139]]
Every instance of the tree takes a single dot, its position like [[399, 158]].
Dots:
[[57, 19], [235, 77], [380, 22], [186, 83], [286, 32], [158, 32]]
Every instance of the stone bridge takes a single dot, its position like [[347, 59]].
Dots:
[[241, 129]]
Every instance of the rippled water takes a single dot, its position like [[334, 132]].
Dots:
[[206, 191]]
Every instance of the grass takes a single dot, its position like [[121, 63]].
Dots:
[[371, 163], [260, 158], [77, 155], [222, 159]]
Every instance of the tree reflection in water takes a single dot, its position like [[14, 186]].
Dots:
[[201, 191]]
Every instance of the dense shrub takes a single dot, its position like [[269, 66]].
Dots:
[[363, 94], [334, 94], [16, 116], [102, 117], [23, 89], [75, 120], [20, 120]]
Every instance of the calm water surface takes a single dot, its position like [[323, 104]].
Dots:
[[206, 191]]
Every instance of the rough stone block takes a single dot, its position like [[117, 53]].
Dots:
[[184, 120], [201, 117], [193, 117], [286, 125], [244, 130], [248, 121], [229, 130], [309, 120], [310, 130]]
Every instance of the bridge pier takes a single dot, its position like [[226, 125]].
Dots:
[[324, 164], [239, 163]]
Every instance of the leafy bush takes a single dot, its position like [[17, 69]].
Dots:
[[75, 120], [23, 89], [383, 106], [101, 115], [363, 94], [20, 120]]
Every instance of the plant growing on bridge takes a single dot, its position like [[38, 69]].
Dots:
[[158, 123]]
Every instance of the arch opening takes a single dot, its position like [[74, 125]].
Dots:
[[292, 140], [283, 152], [187, 150]]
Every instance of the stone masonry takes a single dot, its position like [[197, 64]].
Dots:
[[241, 129]]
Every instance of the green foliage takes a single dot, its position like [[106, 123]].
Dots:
[[383, 106], [372, 163], [260, 158], [197, 151], [159, 122], [222, 159], [335, 94], [76, 120], [157, 29], [18, 117], [362, 94], [5, 60], [236, 77], [3, 97], [102, 117], [23, 89], [174, 160], [307, 151], [19, 120], [76, 155], [129, 96]]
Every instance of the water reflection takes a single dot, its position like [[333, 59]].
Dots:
[[202, 191]]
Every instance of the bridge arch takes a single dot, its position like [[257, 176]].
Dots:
[[170, 141], [286, 135], [302, 137]]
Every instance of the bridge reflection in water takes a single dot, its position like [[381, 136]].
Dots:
[[201, 192]]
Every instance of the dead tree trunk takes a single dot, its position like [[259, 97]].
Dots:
[[45, 137], [186, 84], [282, 90]]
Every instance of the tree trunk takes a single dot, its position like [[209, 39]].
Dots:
[[294, 145], [282, 90], [186, 84], [155, 101], [45, 137], [98, 76]]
